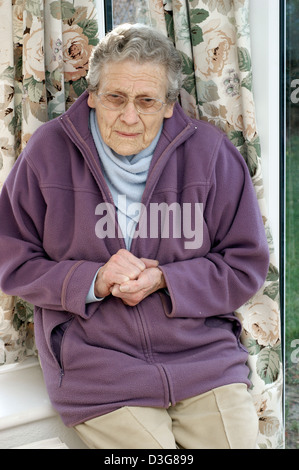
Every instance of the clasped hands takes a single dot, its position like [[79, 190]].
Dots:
[[129, 278]]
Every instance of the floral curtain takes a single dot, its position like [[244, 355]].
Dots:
[[45, 48], [213, 37]]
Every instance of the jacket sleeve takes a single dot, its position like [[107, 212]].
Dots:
[[237, 263], [25, 268]]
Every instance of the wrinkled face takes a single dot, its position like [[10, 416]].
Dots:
[[126, 131]]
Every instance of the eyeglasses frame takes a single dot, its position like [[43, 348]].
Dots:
[[128, 100]]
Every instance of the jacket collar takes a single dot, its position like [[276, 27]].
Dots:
[[176, 130]]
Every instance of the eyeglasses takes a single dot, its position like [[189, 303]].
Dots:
[[143, 104]]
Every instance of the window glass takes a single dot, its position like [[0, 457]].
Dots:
[[292, 225], [129, 11]]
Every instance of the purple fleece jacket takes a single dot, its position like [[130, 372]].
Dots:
[[98, 357]]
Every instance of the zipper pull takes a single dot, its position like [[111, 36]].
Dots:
[[61, 377]]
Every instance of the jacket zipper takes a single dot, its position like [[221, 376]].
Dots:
[[148, 353], [107, 196], [162, 156], [146, 337], [147, 350], [61, 377]]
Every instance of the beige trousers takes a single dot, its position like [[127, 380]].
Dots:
[[223, 418]]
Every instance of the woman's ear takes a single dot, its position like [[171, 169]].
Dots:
[[91, 101], [169, 110]]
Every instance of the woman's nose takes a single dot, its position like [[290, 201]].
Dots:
[[129, 114]]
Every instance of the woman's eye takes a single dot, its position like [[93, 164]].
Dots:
[[146, 102], [115, 98]]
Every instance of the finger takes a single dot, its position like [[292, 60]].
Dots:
[[149, 281], [130, 287], [143, 283], [127, 256], [128, 264], [111, 274], [127, 299], [150, 263]]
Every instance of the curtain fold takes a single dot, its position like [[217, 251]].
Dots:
[[213, 38], [45, 48]]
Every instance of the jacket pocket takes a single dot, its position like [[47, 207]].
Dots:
[[229, 323], [57, 338]]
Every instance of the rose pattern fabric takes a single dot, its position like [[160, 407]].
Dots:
[[216, 48], [45, 48], [213, 39], [76, 52]]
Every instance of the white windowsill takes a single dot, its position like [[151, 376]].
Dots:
[[27, 418], [23, 396]]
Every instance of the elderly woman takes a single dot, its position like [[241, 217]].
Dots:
[[135, 232]]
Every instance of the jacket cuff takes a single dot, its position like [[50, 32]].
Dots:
[[90, 296], [169, 312], [76, 287]]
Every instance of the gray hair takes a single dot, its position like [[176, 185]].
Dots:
[[142, 44]]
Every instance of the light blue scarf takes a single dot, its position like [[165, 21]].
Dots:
[[126, 177]]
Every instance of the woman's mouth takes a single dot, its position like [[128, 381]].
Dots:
[[128, 135]]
